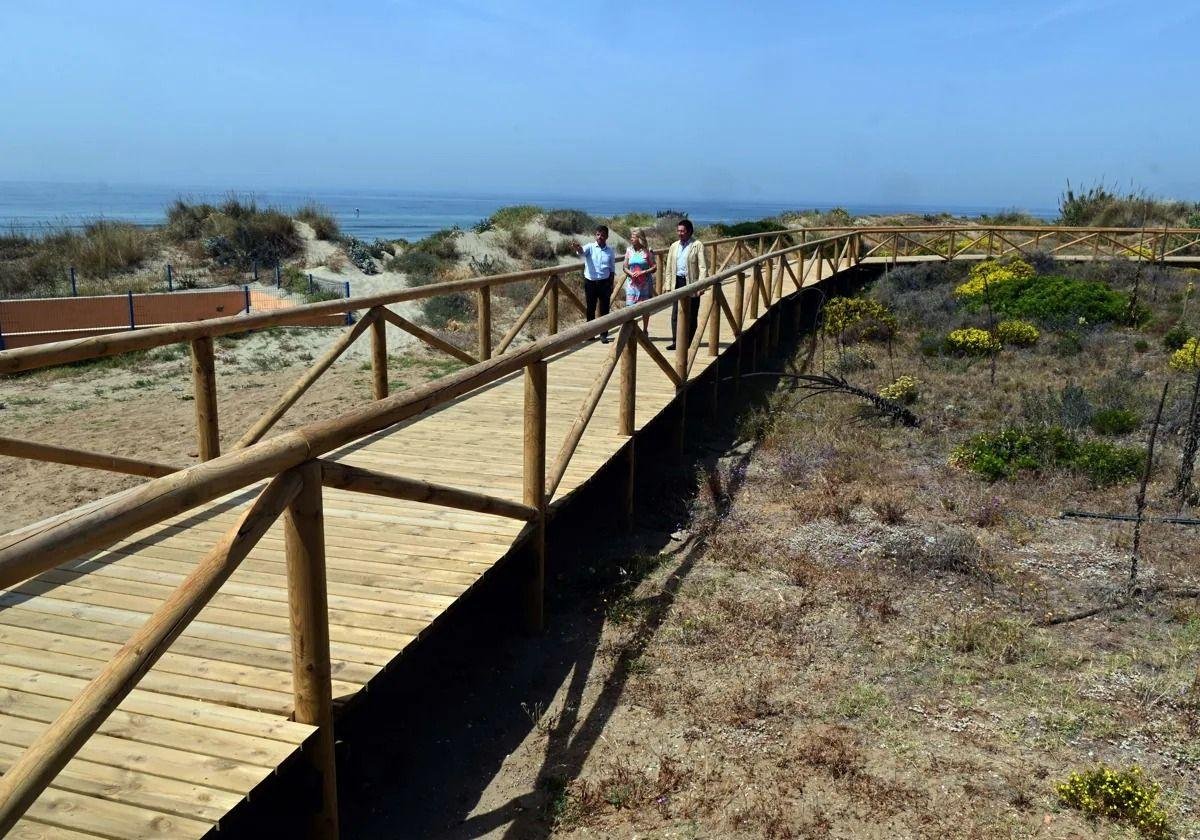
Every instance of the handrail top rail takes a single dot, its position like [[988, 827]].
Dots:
[[936, 228]]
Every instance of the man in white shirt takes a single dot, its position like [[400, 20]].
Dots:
[[686, 257], [599, 267]]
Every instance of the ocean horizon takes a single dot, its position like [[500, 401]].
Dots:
[[32, 208]]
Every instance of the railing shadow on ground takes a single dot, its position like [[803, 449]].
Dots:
[[491, 687], [417, 758]]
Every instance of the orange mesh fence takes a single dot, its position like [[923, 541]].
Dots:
[[31, 321]]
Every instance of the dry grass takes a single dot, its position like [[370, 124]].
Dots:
[[857, 653]]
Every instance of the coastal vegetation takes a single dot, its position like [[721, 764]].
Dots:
[[869, 622], [324, 226], [31, 265]]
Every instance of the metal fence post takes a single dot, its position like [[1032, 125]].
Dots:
[[2, 345], [246, 290], [170, 279], [310, 283], [254, 267], [132, 325], [349, 315], [74, 288]]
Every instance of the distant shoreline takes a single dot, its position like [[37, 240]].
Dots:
[[34, 207]]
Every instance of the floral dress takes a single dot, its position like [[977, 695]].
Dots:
[[640, 286]]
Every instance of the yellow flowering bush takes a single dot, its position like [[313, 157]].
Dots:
[[972, 341], [1120, 795], [989, 275], [905, 390], [1017, 333], [1186, 357]]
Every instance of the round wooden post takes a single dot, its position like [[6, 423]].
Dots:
[[484, 322], [626, 415], [534, 494], [755, 285], [308, 607], [683, 323], [204, 388], [683, 329], [769, 276], [552, 307], [379, 360], [739, 301], [714, 320]]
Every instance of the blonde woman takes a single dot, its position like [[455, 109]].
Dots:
[[639, 273]]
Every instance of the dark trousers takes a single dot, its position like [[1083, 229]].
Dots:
[[598, 294], [693, 307]]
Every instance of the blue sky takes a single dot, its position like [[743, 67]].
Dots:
[[994, 104]]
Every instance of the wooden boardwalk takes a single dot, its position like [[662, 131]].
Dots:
[[210, 722]]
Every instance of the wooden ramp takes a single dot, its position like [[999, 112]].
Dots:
[[210, 722]]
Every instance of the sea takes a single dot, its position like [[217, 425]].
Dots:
[[33, 208]]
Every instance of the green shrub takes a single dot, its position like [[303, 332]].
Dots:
[[853, 360], [1174, 338], [440, 311], [106, 248], [185, 222], [513, 218], [1014, 289], [1068, 344], [236, 233], [971, 341], [1014, 333], [1062, 299], [1123, 796], [1141, 345], [529, 246], [857, 318], [1005, 453], [1104, 463], [442, 244], [748, 228], [570, 221], [324, 226], [1115, 421], [421, 267]]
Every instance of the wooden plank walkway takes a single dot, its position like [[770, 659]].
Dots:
[[210, 722]]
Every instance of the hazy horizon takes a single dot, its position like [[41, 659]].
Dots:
[[995, 105]]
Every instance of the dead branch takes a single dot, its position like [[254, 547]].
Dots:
[[827, 383]]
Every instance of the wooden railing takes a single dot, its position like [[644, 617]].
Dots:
[[295, 470], [752, 275]]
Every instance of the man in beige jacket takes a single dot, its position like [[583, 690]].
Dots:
[[685, 259]]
